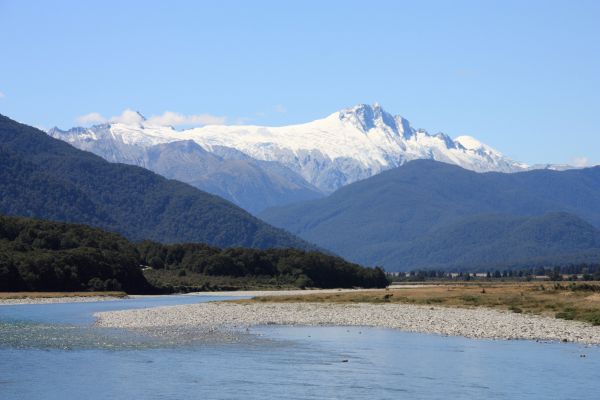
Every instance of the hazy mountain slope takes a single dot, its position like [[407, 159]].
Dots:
[[369, 220], [253, 185], [47, 178], [288, 163], [499, 241]]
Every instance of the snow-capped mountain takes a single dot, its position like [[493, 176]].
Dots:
[[312, 158]]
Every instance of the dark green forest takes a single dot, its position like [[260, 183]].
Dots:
[[290, 267], [38, 255], [42, 177], [427, 214]]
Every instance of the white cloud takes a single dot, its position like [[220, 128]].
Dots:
[[168, 118], [128, 117], [2, 95], [279, 108], [90, 119], [176, 119], [580, 162]]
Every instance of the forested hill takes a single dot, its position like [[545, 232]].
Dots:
[[432, 214], [37, 255], [46, 178], [504, 242], [50, 256]]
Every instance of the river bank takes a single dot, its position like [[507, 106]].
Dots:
[[471, 323], [15, 298]]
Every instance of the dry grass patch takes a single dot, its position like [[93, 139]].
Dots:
[[575, 301]]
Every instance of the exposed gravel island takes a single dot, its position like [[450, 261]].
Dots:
[[468, 322]]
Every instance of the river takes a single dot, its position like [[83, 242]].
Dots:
[[53, 351]]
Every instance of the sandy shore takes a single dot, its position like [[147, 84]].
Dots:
[[292, 292], [472, 323], [56, 300], [239, 293]]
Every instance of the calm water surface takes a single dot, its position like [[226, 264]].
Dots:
[[52, 352]]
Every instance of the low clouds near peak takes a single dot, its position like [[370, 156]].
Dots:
[[168, 118], [177, 119], [91, 119]]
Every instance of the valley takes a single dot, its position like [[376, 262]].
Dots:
[[309, 200]]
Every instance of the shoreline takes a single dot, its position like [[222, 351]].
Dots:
[[476, 323], [276, 292], [57, 300], [24, 298]]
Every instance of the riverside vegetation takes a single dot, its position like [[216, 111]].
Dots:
[[38, 255]]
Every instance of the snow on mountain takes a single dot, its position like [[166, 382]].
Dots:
[[328, 153], [348, 145]]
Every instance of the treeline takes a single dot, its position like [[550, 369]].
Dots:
[[572, 272], [38, 255], [304, 269]]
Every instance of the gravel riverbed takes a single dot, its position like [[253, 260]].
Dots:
[[472, 323], [56, 300]]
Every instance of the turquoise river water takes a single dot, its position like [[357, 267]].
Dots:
[[53, 351]]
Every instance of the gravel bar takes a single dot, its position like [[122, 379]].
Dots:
[[467, 322], [56, 300]]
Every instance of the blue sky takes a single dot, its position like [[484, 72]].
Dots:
[[522, 76]]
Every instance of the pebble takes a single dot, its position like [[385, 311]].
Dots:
[[471, 323], [56, 300]]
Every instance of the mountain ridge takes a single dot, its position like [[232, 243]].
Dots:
[[319, 156], [43, 177], [367, 221]]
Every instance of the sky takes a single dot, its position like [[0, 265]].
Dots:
[[521, 76]]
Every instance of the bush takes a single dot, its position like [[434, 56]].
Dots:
[[567, 313]]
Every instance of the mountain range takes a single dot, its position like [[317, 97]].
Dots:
[[258, 167], [428, 214], [361, 183], [47, 178]]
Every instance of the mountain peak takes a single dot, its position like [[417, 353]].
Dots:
[[366, 117], [141, 116], [469, 142], [472, 144], [348, 145]]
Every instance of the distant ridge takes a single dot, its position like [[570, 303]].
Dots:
[[258, 167], [432, 214], [46, 178]]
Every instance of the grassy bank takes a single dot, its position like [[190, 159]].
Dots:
[[571, 301], [47, 295]]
